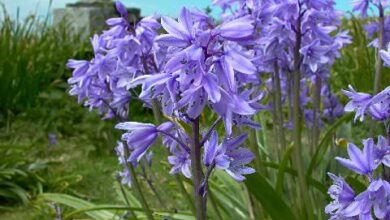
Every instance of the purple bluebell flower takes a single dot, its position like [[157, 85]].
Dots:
[[359, 102], [214, 154], [239, 157], [376, 106], [372, 201], [361, 162], [332, 106], [361, 6], [385, 54], [372, 29], [121, 9], [382, 151], [342, 196], [139, 137], [52, 137], [309, 118], [181, 162], [228, 156], [314, 55], [125, 174]]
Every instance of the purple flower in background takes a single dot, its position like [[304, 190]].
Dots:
[[125, 174], [361, 6], [52, 137], [361, 162], [385, 54], [314, 55], [332, 106], [382, 151], [309, 118], [373, 28], [181, 162]]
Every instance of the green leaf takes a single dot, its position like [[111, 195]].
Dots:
[[229, 196], [100, 207], [272, 203], [356, 184], [282, 169], [177, 216], [312, 182], [77, 203], [323, 146]]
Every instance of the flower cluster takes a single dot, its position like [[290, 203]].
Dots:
[[119, 54], [377, 106], [346, 203], [295, 36], [374, 201], [362, 6], [195, 64]]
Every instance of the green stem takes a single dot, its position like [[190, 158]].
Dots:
[[186, 195], [278, 107], [137, 187], [297, 135], [151, 185], [159, 119], [316, 112], [127, 200], [197, 172], [381, 46]]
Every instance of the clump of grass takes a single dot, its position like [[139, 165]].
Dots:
[[33, 55], [357, 62]]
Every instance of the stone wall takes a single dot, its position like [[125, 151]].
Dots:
[[88, 17]]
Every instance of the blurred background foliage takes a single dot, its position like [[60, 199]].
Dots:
[[49, 144]]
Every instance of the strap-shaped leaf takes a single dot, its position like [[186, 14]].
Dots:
[[77, 203], [323, 146], [272, 203]]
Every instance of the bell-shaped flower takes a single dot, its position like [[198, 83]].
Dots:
[[228, 156], [373, 201], [359, 102], [361, 162], [342, 195], [181, 162], [314, 55], [239, 157], [140, 136], [361, 6], [125, 174], [382, 151], [214, 154]]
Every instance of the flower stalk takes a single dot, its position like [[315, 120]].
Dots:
[[138, 189], [278, 106], [381, 46], [159, 119], [197, 172], [316, 112], [297, 129]]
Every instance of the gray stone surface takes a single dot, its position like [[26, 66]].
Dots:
[[88, 16]]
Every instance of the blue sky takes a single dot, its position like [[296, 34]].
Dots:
[[166, 7]]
